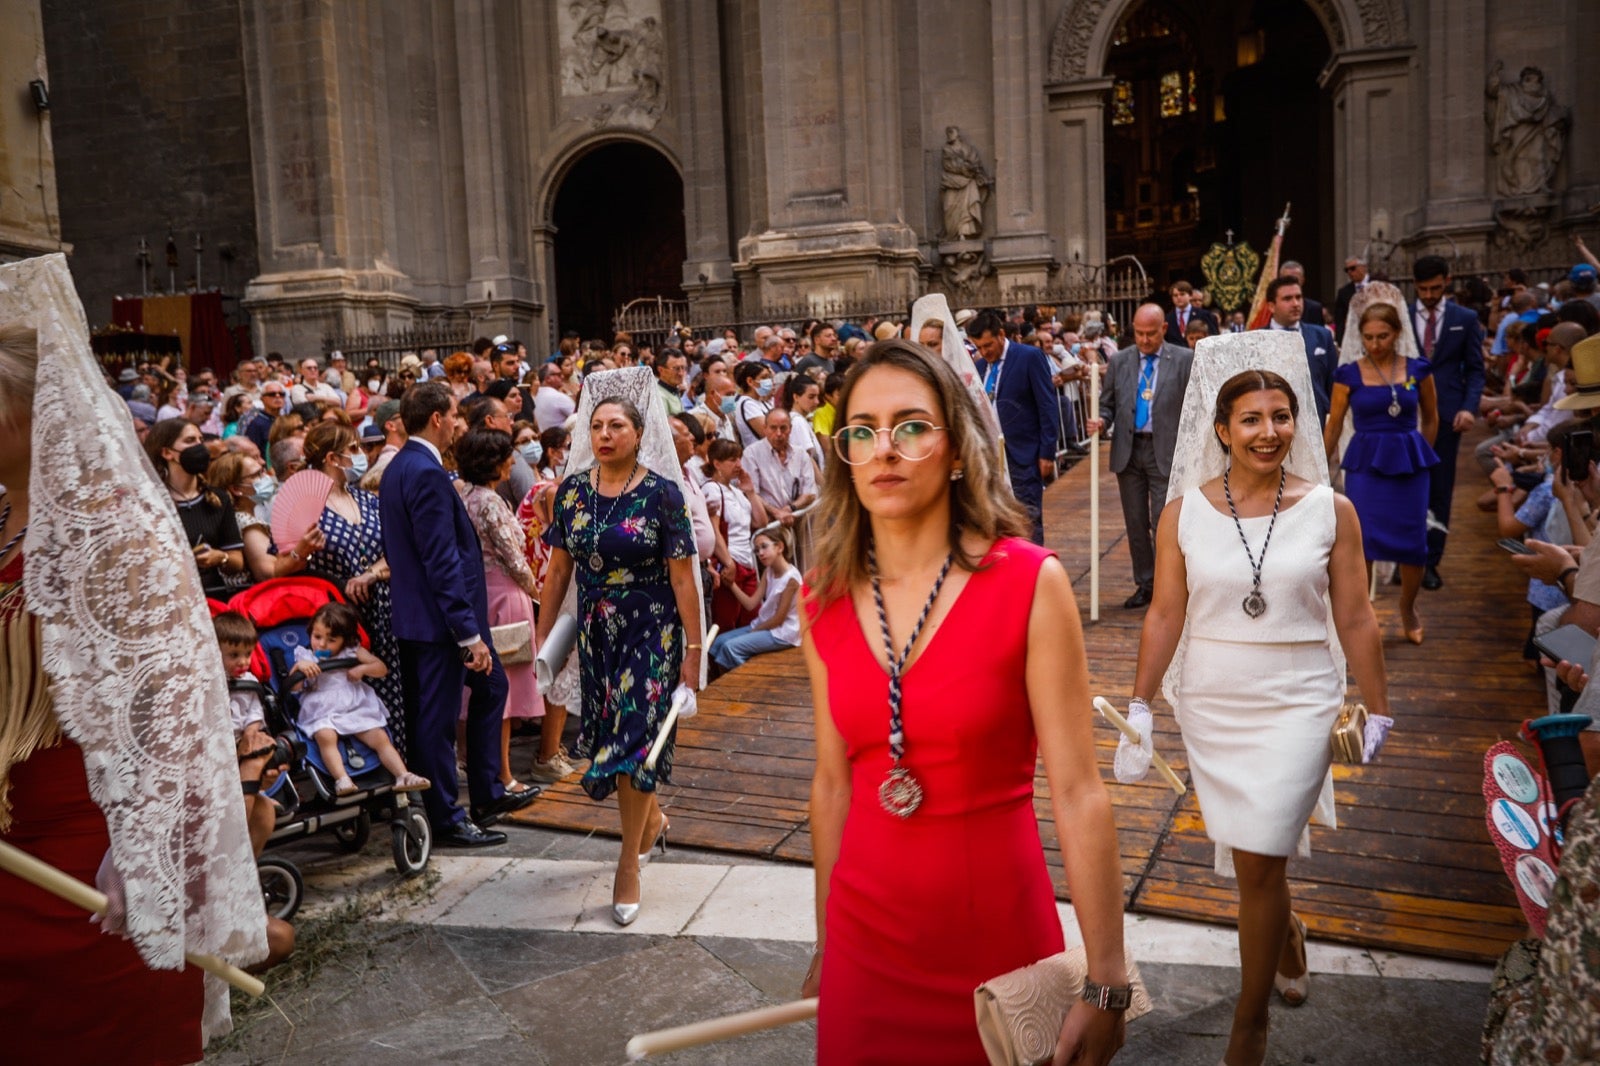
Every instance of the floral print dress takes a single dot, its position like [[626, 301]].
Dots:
[[630, 639]]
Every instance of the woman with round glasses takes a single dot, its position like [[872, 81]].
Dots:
[[930, 878]]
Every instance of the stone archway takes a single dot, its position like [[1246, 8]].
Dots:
[[616, 232], [1368, 79]]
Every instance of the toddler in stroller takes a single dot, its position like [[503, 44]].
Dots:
[[336, 703]]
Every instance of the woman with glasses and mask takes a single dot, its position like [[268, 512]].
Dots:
[[181, 460], [755, 383], [351, 555], [945, 654], [246, 481]]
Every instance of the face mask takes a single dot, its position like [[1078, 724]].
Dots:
[[728, 404], [373, 384], [532, 452], [764, 389], [357, 468], [263, 488], [195, 459]]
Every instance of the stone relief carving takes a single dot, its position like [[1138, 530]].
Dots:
[[613, 58], [966, 269], [964, 185], [1527, 131]]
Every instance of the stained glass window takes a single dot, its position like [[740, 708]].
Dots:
[[1193, 104], [1122, 103], [1172, 100]]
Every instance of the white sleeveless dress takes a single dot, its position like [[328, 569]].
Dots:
[[1259, 695]]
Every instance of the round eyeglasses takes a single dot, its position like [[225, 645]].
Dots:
[[913, 439]]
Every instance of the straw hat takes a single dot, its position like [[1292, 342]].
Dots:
[[885, 330], [410, 362], [1586, 368], [965, 315]]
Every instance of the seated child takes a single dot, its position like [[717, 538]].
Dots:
[[777, 622], [338, 704]]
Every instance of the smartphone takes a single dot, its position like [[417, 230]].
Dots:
[[1578, 454], [1567, 644], [1515, 546]]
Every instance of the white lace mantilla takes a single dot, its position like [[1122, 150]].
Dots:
[[1406, 347], [657, 454], [130, 653], [1199, 458]]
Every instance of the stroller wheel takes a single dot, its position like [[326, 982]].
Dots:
[[281, 886], [354, 834], [413, 841]]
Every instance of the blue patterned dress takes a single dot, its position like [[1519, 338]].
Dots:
[[630, 640], [350, 549]]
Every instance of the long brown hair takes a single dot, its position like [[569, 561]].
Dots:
[[980, 501]]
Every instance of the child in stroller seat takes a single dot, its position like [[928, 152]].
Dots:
[[236, 636], [337, 704]]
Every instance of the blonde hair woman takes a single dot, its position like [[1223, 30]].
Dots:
[[922, 800]]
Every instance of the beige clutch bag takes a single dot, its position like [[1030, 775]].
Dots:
[[1020, 1013], [1349, 734], [513, 643]]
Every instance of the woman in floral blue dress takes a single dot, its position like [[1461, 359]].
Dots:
[[352, 556], [625, 532]]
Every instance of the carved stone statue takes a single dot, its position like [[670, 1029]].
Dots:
[[613, 61], [1527, 131], [964, 185]]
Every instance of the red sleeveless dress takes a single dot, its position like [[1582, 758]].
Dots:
[[922, 910], [68, 992]]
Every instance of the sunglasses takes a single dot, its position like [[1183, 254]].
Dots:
[[913, 439]]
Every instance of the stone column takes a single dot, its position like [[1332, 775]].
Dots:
[[1080, 220], [835, 229], [697, 105], [1020, 249], [500, 293], [1377, 172], [316, 90]]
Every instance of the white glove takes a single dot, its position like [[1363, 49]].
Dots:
[[1133, 760], [109, 881], [684, 696]]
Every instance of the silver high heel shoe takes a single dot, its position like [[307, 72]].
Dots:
[[624, 913], [659, 844]]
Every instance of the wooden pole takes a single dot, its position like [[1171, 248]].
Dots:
[[1126, 728], [42, 875], [1094, 493], [709, 1032]]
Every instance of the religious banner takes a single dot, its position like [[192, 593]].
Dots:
[[1230, 271]]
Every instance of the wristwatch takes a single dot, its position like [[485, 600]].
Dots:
[[1107, 997]]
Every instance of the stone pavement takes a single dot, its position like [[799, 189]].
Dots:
[[510, 956]]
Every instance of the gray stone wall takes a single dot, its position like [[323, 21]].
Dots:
[[148, 114]]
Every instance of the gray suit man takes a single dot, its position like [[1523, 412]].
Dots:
[[1142, 398]]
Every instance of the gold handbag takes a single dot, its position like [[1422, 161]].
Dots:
[[1349, 734], [1020, 1013], [513, 642]]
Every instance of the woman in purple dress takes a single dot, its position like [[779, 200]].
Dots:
[[1396, 414]]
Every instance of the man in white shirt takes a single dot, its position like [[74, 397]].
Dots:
[[785, 478], [551, 406], [312, 387]]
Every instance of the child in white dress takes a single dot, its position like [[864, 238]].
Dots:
[[337, 704]]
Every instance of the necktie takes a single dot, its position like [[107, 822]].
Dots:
[[991, 379], [1429, 334], [1183, 320], [1141, 403]]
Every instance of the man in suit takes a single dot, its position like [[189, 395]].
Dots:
[[1285, 299], [1017, 380], [441, 617], [1355, 268], [1313, 312], [1143, 400], [1452, 340], [1183, 310]]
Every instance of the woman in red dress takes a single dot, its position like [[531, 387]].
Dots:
[[116, 760], [930, 874]]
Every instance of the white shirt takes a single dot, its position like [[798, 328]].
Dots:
[[1420, 323], [320, 391], [779, 481], [551, 407], [788, 630], [803, 437], [734, 509]]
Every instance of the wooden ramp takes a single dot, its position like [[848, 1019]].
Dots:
[[1410, 868]]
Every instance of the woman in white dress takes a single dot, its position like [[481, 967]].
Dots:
[[1258, 565]]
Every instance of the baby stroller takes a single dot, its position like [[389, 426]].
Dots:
[[281, 610]]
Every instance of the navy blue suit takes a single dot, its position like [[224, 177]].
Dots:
[[1322, 355], [1457, 359], [1030, 420], [440, 600]]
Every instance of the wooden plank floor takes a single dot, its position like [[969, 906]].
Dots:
[[1409, 869]]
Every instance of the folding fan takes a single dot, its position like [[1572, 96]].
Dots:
[[297, 506]]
